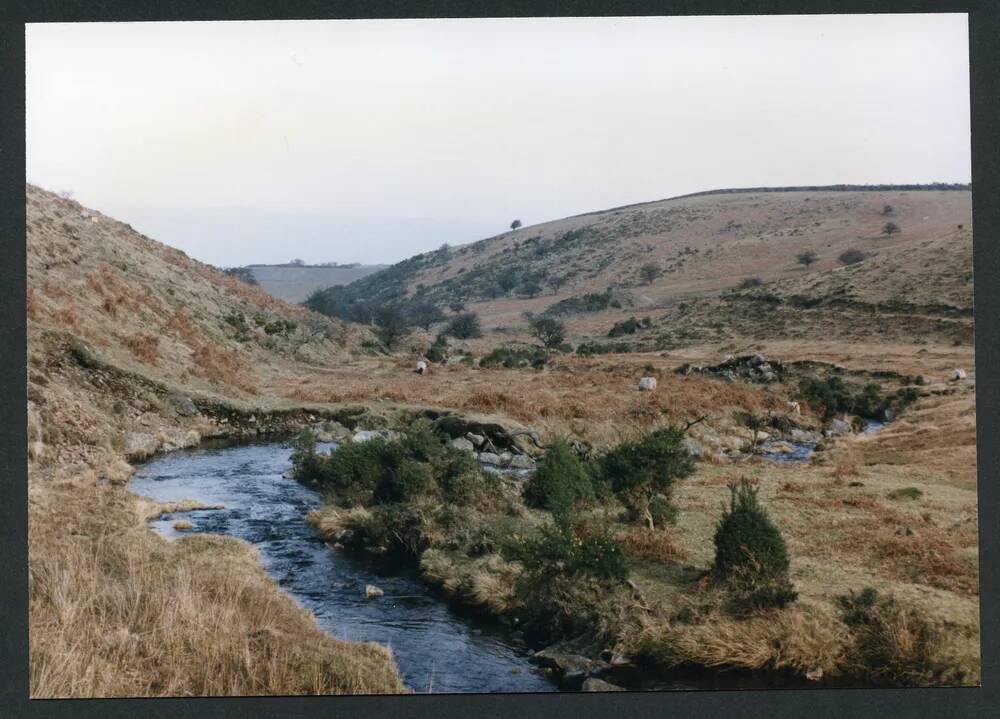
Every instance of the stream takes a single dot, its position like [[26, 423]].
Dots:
[[802, 451], [436, 648]]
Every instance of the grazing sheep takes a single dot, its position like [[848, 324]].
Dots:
[[647, 384], [421, 367], [958, 374]]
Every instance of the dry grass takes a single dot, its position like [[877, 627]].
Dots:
[[144, 347], [117, 611], [223, 367], [486, 582], [654, 545]]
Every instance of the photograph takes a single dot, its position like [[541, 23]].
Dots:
[[500, 355]]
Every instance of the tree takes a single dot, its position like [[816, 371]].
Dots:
[[555, 282], [851, 257], [890, 228], [887, 210], [464, 326], [456, 306], [243, 274], [806, 258], [649, 272], [550, 331], [297, 262], [508, 280], [530, 288], [424, 314], [390, 324], [515, 224]]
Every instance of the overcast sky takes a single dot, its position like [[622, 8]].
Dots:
[[373, 140]]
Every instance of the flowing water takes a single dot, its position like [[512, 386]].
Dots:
[[436, 648], [802, 451]]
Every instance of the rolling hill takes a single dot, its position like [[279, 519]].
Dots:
[[293, 283], [717, 265]]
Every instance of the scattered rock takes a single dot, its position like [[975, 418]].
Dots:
[[647, 384], [520, 461], [372, 592], [814, 675], [182, 404], [490, 458], [837, 428], [463, 444], [694, 446], [367, 434], [476, 439]]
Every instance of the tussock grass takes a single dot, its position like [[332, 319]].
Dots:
[[116, 611]]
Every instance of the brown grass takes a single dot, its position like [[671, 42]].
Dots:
[[223, 367], [654, 545], [117, 611], [144, 347]]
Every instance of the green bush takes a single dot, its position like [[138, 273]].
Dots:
[[750, 553], [403, 482], [635, 471], [906, 493], [625, 327], [549, 331], [438, 352], [560, 481], [464, 326], [564, 549], [514, 357]]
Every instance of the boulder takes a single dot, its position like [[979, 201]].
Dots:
[[476, 439], [490, 458], [593, 684], [140, 445], [463, 444], [837, 428], [371, 591], [647, 384], [567, 663], [366, 435], [693, 446], [505, 458], [520, 461], [182, 404], [323, 436], [958, 374], [804, 437], [336, 429]]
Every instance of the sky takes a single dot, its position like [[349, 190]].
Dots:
[[373, 140]]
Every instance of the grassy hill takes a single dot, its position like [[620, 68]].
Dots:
[[682, 262]]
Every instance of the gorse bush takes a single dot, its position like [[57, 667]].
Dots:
[[750, 553], [513, 357], [832, 395], [565, 549], [464, 326], [636, 471], [560, 481]]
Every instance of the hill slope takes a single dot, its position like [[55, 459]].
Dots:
[[589, 268], [294, 284]]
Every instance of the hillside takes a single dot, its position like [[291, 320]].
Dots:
[[294, 284], [588, 269], [134, 348]]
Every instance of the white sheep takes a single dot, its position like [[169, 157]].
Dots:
[[647, 384]]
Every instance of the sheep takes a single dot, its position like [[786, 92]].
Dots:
[[647, 384]]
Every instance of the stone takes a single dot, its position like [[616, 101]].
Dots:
[[520, 461], [505, 458], [837, 428], [757, 360], [490, 458], [323, 436], [140, 445], [593, 684], [461, 443], [366, 435], [182, 404], [647, 384], [958, 374], [693, 446], [372, 592], [476, 439], [336, 429]]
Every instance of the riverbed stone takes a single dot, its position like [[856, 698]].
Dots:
[[520, 461], [837, 428], [372, 592], [593, 684], [490, 458], [461, 443], [476, 439]]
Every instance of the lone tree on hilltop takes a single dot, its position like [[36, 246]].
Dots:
[[649, 272], [515, 224], [890, 228], [806, 258], [550, 331]]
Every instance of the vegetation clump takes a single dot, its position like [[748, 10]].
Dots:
[[851, 257], [560, 481], [629, 326], [464, 326], [516, 357], [642, 473], [548, 330], [750, 553]]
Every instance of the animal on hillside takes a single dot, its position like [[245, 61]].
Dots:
[[958, 374], [421, 367], [647, 384]]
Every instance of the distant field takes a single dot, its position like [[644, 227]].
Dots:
[[295, 284]]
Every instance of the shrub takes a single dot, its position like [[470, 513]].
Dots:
[[625, 327], [649, 272], [906, 493], [403, 482], [806, 258], [513, 357], [560, 481], [832, 395], [890, 228], [464, 326], [565, 549], [750, 283], [438, 352], [851, 257], [549, 331], [636, 471], [390, 325], [515, 224], [892, 643], [750, 553]]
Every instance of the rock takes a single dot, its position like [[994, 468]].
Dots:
[[323, 436], [182, 404], [366, 435], [336, 429], [520, 461], [463, 444], [476, 439], [36, 450], [794, 407], [140, 445], [178, 439], [958, 374], [804, 437], [693, 446], [758, 360], [490, 458], [769, 377], [593, 684], [567, 663], [505, 458], [780, 448], [729, 358], [371, 591], [647, 384], [837, 428], [814, 675]]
